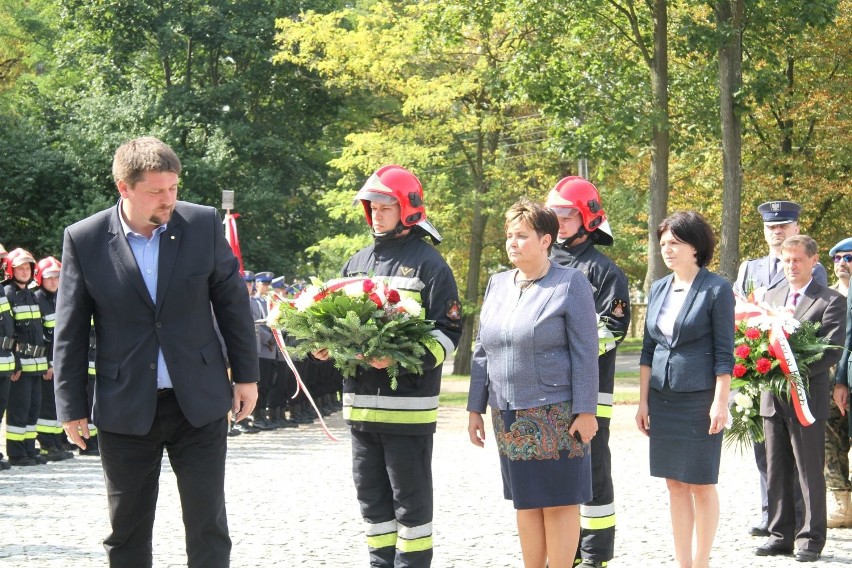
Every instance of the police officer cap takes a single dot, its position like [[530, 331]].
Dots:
[[779, 212], [278, 282], [842, 246], [248, 276], [265, 277]]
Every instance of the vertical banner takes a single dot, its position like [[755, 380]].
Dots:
[[230, 223]]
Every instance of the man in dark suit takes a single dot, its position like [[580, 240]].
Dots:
[[788, 442], [154, 273]]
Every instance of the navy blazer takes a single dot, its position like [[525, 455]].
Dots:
[[702, 345], [100, 279], [827, 307], [754, 273]]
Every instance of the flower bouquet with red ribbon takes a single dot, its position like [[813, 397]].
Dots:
[[771, 353], [357, 320]]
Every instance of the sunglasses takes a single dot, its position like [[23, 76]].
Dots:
[[847, 258]]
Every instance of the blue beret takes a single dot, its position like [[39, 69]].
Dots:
[[264, 277], [844, 245], [248, 276], [278, 282], [779, 212]]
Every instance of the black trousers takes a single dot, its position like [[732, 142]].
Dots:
[[268, 378], [132, 472], [790, 445], [393, 479], [22, 415], [597, 517], [4, 396]]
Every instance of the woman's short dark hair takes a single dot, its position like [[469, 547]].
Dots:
[[691, 228], [538, 217]]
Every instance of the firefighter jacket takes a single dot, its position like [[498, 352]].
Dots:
[[612, 303], [416, 269], [47, 304], [30, 352], [7, 335]]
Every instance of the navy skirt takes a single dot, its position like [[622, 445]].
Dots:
[[542, 465], [680, 446]]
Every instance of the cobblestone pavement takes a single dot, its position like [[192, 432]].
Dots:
[[291, 503]]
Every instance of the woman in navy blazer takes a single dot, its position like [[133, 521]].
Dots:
[[536, 365], [685, 376]]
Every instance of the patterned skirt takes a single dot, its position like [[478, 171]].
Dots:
[[542, 465]]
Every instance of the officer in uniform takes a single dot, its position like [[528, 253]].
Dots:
[[285, 381], [837, 444], [392, 430], [245, 425], [267, 350], [7, 356], [49, 431], [780, 220], [582, 225], [31, 360]]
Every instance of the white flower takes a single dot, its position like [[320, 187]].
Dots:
[[274, 315], [306, 298], [354, 290], [410, 306], [743, 400]]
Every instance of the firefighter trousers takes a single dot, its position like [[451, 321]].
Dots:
[[597, 517], [393, 480], [22, 415]]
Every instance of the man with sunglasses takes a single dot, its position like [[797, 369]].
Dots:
[[837, 444], [780, 220]]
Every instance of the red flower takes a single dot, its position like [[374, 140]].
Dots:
[[393, 296], [369, 286], [742, 352], [763, 365], [739, 370], [752, 333]]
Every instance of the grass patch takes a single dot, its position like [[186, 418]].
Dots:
[[453, 399], [630, 345], [626, 397], [457, 378]]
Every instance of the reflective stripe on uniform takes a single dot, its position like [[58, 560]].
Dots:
[[445, 342], [92, 370], [7, 363], [34, 365], [381, 535], [390, 402], [390, 409], [48, 426], [4, 304], [93, 430], [604, 405], [414, 539], [26, 312], [390, 416], [16, 433], [49, 321], [597, 517], [403, 284]]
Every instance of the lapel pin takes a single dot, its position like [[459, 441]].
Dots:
[[172, 237]]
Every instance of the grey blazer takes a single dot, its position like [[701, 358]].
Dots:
[[702, 345], [828, 308], [537, 347]]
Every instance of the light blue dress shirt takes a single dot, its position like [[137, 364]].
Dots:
[[147, 254]]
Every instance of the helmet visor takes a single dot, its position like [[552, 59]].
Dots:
[[562, 211], [370, 195]]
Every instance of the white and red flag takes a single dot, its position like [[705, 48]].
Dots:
[[233, 238]]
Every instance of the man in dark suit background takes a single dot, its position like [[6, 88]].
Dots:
[[788, 443], [154, 272]]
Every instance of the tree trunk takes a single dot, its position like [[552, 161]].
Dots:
[[461, 363], [659, 176], [729, 24]]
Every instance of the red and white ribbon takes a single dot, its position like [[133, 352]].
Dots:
[[787, 361]]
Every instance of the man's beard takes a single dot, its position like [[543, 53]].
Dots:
[[162, 218]]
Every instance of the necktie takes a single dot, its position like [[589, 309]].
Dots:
[[796, 299], [773, 269]]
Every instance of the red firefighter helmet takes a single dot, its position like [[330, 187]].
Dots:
[[574, 192], [394, 184], [18, 257], [47, 268]]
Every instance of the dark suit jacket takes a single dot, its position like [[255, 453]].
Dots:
[[825, 306], [100, 278], [702, 345], [844, 367], [756, 273]]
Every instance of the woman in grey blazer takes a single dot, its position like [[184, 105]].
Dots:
[[685, 375], [535, 364]]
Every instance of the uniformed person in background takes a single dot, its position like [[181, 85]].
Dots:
[[780, 220], [7, 356], [245, 425], [31, 360], [582, 226], [837, 445], [92, 446], [267, 350], [285, 382], [49, 431]]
